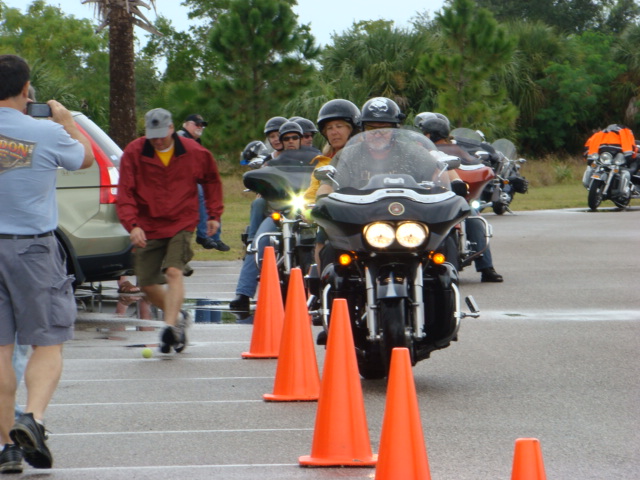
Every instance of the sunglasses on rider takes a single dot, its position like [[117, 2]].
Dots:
[[291, 138], [307, 135], [368, 127]]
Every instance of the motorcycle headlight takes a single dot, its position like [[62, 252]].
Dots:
[[379, 235], [619, 159], [411, 235], [605, 158], [298, 203]]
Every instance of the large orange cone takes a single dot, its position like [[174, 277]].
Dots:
[[341, 436], [297, 377], [527, 460], [269, 316], [402, 451]]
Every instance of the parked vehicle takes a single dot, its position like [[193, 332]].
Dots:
[[97, 246], [501, 155], [384, 236], [607, 178]]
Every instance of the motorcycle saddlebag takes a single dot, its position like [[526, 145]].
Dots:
[[519, 184]]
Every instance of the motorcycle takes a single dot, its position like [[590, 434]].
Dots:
[[501, 155], [477, 176], [607, 178], [282, 184], [384, 238]]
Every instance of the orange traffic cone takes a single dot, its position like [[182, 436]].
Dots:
[[269, 315], [402, 451], [341, 437], [527, 460], [297, 377]]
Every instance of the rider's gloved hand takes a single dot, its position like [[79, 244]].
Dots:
[[460, 187]]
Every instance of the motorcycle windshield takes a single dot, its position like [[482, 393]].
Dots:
[[467, 138], [506, 147], [390, 158]]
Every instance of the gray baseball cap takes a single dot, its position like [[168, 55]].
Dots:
[[157, 123]]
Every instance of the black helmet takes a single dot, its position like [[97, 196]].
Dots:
[[307, 125], [273, 124], [290, 127], [435, 124], [253, 150], [339, 109], [381, 109]]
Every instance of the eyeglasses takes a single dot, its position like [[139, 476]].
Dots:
[[200, 125], [307, 135], [291, 138]]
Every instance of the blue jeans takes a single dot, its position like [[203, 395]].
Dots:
[[248, 280], [20, 358], [476, 234], [256, 216], [201, 229]]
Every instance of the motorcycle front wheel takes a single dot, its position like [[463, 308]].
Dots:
[[392, 315], [595, 195]]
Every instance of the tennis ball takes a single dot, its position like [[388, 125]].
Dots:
[[147, 352]]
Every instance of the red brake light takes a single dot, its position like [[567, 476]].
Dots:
[[109, 174]]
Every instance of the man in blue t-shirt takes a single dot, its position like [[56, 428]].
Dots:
[[37, 305]]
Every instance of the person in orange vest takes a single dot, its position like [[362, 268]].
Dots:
[[615, 139]]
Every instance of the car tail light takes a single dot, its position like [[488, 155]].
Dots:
[[109, 174]]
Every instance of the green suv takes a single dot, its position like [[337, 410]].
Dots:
[[97, 245]]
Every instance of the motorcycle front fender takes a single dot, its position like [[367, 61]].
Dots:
[[388, 288]]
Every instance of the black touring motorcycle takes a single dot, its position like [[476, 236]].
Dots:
[[384, 238], [282, 183]]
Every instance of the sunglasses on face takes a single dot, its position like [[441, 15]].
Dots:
[[291, 138], [368, 127], [307, 135]]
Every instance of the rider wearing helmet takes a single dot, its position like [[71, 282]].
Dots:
[[338, 121], [437, 127], [308, 130], [271, 131], [381, 110], [434, 124], [290, 135]]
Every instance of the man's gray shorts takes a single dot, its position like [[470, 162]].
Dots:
[[36, 294]]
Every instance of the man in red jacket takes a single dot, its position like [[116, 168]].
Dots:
[[158, 204]]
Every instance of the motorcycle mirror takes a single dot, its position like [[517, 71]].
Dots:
[[324, 173], [452, 162]]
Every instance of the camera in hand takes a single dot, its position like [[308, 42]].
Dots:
[[36, 109]]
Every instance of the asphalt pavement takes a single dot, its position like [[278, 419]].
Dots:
[[554, 356]]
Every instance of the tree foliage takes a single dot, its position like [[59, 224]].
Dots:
[[473, 49], [564, 70], [264, 58]]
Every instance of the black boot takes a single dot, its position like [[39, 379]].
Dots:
[[490, 275], [241, 302]]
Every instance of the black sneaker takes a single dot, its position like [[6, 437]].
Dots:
[[30, 436], [220, 245], [11, 459], [181, 338], [206, 242], [167, 339], [490, 275]]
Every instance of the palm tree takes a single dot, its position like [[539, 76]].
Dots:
[[121, 16]]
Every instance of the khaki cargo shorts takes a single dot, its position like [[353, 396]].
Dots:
[[152, 261]]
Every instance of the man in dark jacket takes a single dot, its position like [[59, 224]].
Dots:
[[158, 204], [193, 127]]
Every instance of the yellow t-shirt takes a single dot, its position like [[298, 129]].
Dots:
[[165, 156]]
